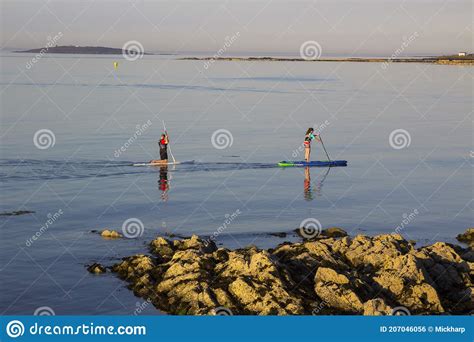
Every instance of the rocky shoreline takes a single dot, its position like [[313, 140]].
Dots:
[[329, 274]]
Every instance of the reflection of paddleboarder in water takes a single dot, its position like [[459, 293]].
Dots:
[[308, 191], [308, 195], [163, 183]]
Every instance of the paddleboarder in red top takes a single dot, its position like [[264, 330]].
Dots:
[[163, 144]]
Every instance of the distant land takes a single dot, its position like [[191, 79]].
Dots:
[[467, 59], [83, 50]]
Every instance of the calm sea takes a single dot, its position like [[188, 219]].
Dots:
[[405, 130]]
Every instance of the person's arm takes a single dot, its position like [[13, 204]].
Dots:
[[315, 137]]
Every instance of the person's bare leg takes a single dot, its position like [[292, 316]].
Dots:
[[307, 153]]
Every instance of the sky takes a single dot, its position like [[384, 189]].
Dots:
[[341, 27]]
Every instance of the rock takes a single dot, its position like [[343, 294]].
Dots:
[[96, 268], [110, 234], [334, 232], [138, 271], [335, 289], [244, 292], [377, 307], [279, 234], [451, 274], [327, 275], [467, 237], [206, 246], [16, 213], [405, 280], [134, 267], [162, 248], [365, 251]]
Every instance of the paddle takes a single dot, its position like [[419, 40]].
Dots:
[[321, 139], [169, 147]]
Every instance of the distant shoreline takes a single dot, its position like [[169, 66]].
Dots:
[[100, 50], [457, 60]]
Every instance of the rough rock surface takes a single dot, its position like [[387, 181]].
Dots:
[[467, 237], [96, 268], [328, 275], [110, 234]]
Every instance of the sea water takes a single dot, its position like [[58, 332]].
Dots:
[[405, 130]]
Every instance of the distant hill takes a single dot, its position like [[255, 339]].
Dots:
[[86, 50]]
